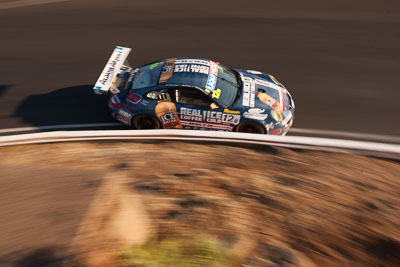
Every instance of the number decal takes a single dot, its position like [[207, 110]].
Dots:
[[216, 94], [231, 118]]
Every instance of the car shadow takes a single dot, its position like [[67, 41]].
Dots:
[[46, 256], [71, 105], [3, 88]]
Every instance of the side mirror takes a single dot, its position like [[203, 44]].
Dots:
[[114, 90], [213, 106]]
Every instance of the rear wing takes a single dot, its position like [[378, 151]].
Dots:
[[113, 67]]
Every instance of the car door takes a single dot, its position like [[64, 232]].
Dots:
[[197, 111], [164, 108]]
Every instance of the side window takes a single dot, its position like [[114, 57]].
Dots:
[[162, 94], [147, 76], [191, 96]]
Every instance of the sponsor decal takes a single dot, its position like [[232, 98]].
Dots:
[[192, 68], [270, 126], [199, 69], [167, 70], [277, 131], [166, 113], [254, 72], [233, 119], [211, 82], [110, 68], [169, 119], [144, 102], [281, 100], [231, 111], [248, 92], [213, 68], [193, 61], [268, 84], [216, 93], [182, 68], [256, 114], [269, 101], [276, 115], [133, 98], [188, 114], [287, 119], [122, 119], [289, 96], [249, 85], [153, 66], [212, 77], [206, 126], [125, 114]]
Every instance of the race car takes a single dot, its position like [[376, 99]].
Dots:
[[194, 93]]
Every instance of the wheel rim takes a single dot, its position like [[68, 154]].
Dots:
[[144, 122], [250, 128]]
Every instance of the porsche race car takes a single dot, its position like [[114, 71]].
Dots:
[[194, 93]]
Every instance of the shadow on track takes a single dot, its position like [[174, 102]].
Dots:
[[3, 88], [47, 256], [71, 105]]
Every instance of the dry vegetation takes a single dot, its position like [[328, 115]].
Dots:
[[264, 206]]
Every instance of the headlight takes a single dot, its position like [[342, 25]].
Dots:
[[276, 115]]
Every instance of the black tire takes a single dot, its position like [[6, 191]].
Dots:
[[142, 122], [250, 127]]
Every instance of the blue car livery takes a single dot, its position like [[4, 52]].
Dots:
[[196, 93]]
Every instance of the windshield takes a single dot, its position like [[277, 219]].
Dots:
[[147, 76], [226, 87]]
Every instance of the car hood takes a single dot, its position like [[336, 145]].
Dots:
[[263, 94]]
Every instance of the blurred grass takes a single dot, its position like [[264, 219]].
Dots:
[[177, 252], [271, 206]]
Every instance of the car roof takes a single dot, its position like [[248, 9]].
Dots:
[[186, 71]]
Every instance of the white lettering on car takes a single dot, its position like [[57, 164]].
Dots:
[[217, 117]]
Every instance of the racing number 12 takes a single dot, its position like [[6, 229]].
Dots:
[[229, 118]]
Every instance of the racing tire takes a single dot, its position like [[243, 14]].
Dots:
[[145, 122], [250, 127]]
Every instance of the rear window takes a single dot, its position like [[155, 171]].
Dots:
[[147, 76]]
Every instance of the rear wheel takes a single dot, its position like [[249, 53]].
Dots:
[[250, 127], [142, 122]]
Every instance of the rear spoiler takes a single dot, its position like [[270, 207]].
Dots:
[[113, 67]]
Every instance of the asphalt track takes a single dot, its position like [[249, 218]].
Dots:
[[339, 59]]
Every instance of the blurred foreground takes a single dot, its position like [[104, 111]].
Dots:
[[184, 204]]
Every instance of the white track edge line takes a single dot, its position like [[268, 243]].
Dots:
[[24, 3], [312, 132], [152, 134], [61, 126], [333, 133], [41, 141], [105, 138]]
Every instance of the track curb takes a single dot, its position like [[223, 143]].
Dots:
[[314, 143]]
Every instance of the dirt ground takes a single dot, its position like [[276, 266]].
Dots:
[[271, 207]]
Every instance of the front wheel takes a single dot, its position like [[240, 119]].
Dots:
[[250, 127], [142, 122]]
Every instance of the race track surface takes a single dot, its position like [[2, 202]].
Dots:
[[340, 59]]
